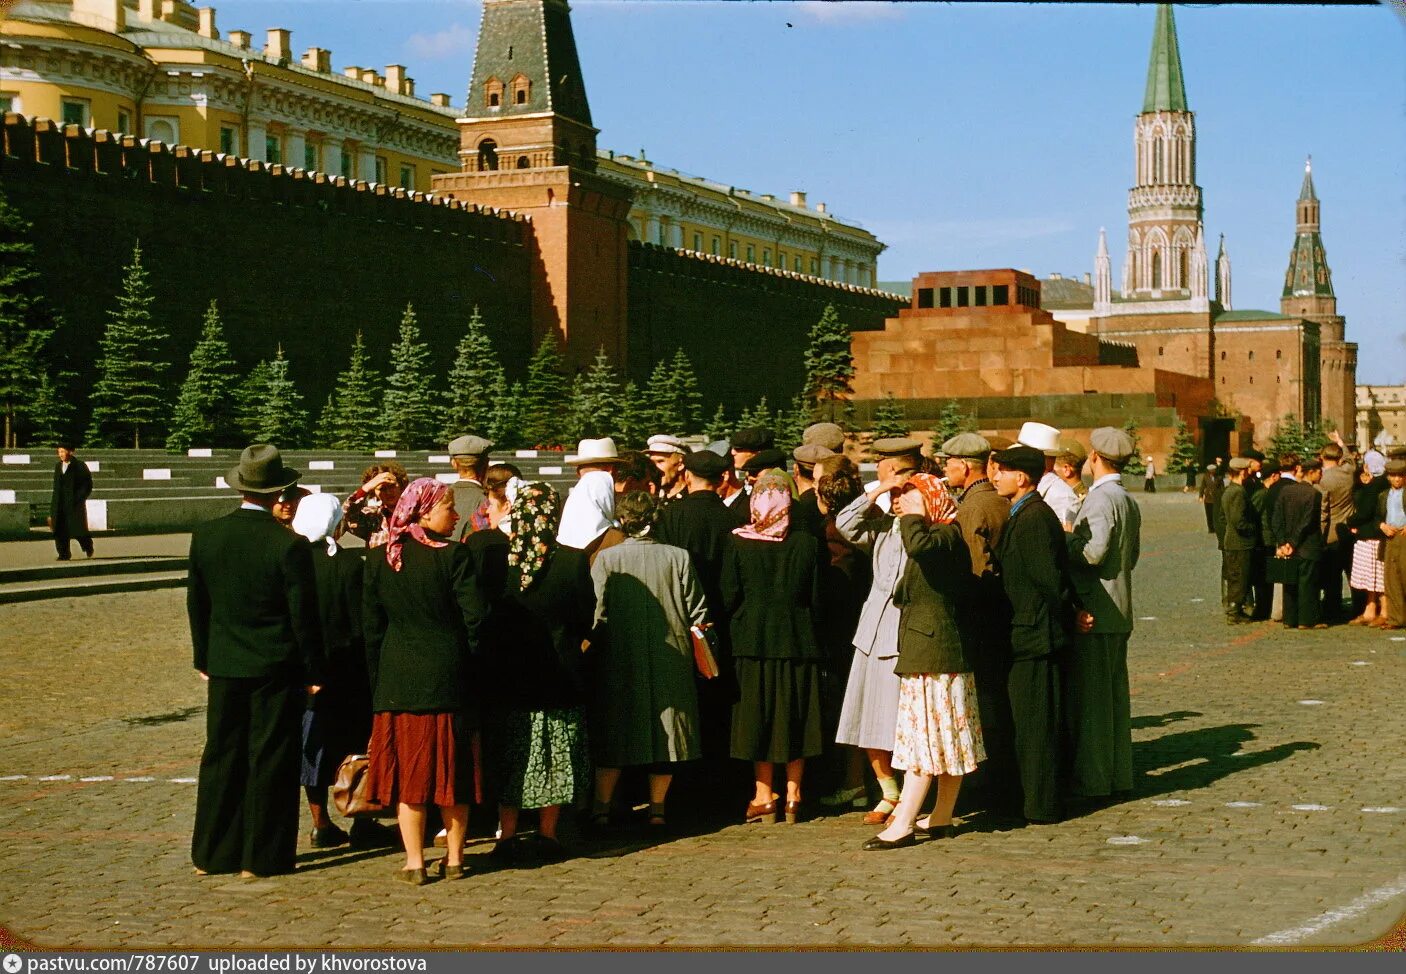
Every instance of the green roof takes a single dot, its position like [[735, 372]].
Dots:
[[1307, 193], [1166, 91], [1250, 314], [532, 38], [1308, 272]]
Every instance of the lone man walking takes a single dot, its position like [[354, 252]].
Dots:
[[68, 509]]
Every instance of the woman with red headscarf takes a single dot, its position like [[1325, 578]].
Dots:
[[939, 731], [422, 613], [772, 589]]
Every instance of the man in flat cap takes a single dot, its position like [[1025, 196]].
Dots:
[[982, 514], [701, 524], [468, 455], [805, 512], [1242, 532], [828, 435], [252, 603], [748, 442], [667, 453], [1208, 489], [1104, 545], [869, 713], [1033, 561]]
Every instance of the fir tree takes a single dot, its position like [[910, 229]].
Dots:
[[322, 437], [505, 417], [829, 364], [282, 419], [203, 415], [951, 421], [1288, 437], [546, 395], [595, 400], [889, 420], [127, 397], [633, 417], [350, 422], [1314, 439], [249, 398], [49, 411], [25, 327], [758, 416], [408, 406], [472, 379], [1183, 456], [791, 424], [687, 399], [718, 427], [1135, 465], [661, 407]]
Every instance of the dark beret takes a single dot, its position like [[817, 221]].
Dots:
[[753, 438], [1026, 459], [1269, 467], [765, 460], [707, 464]]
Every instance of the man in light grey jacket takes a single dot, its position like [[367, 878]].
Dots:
[[1103, 550]]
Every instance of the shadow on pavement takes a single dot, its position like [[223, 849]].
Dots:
[[1162, 720], [1195, 759]]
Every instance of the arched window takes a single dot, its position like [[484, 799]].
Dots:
[[1252, 355], [493, 92], [1156, 270], [520, 96], [522, 89], [523, 162], [487, 155]]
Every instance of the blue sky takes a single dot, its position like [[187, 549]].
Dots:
[[979, 135]]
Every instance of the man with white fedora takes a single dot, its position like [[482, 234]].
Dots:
[[589, 510], [254, 623], [1044, 438]]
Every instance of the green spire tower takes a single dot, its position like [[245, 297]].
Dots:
[[1166, 91]]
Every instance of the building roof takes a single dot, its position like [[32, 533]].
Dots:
[[1308, 272], [531, 38], [1166, 91], [1251, 314]]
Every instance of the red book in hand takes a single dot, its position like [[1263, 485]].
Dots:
[[703, 657]]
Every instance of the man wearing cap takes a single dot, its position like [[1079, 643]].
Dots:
[[805, 512], [1044, 438], [982, 514], [701, 524], [468, 455], [869, 714], [1339, 480], [1261, 582], [1033, 562], [748, 442], [1242, 531], [254, 624], [667, 454], [1104, 546], [68, 505], [828, 435], [1296, 521], [1208, 489]]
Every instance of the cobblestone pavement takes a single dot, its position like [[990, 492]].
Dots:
[[1270, 803]]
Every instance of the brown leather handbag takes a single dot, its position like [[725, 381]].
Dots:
[[351, 790]]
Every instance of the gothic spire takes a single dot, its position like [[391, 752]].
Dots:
[[1307, 193], [1308, 273], [1166, 91], [526, 62]]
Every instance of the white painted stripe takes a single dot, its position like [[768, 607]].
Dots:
[[1365, 902], [385, 454], [7, 497], [1146, 618], [1310, 703], [220, 483], [1360, 662], [94, 466], [156, 473], [526, 454], [199, 451], [1198, 600], [57, 777], [1126, 840], [141, 778], [437, 458], [1243, 804], [1380, 809], [1309, 808], [13, 777], [1171, 802], [547, 471], [181, 781], [322, 465], [16, 458], [97, 777], [1398, 639]]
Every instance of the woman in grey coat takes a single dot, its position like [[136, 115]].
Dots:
[[644, 702]]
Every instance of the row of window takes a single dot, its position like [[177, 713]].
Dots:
[[970, 296]]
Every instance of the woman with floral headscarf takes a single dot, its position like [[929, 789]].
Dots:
[[939, 730], [773, 591], [423, 613], [540, 729]]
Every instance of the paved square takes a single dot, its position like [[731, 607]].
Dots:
[[1270, 803]]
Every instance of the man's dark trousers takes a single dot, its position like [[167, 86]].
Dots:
[[248, 798], [1301, 592], [1236, 566]]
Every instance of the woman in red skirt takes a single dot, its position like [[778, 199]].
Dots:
[[422, 613]]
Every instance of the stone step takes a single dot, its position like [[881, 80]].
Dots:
[[74, 587], [81, 567]]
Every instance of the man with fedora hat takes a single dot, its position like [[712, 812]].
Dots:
[[1104, 545], [468, 454], [252, 602], [68, 506]]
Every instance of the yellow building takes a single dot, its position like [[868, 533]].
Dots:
[[160, 69]]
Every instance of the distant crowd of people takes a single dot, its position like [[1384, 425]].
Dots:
[[1292, 528], [963, 617]]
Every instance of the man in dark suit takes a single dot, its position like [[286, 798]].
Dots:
[[1033, 559], [252, 601], [1240, 538], [1297, 522], [68, 508]]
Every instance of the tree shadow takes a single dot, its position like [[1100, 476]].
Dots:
[[1162, 720]]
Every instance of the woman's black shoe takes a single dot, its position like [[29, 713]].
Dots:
[[936, 831], [877, 844]]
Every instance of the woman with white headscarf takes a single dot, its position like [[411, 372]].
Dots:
[[588, 517], [337, 721]]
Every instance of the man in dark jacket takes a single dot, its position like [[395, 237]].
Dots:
[[1238, 544], [1267, 567], [1209, 490], [1297, 522], [252, 602], [68, 508], [1033, 560]]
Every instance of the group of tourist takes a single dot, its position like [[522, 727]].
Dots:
[[1291, 529], [731, 606]]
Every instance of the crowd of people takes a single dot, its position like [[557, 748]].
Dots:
[[729, 612], [1293, 528]]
